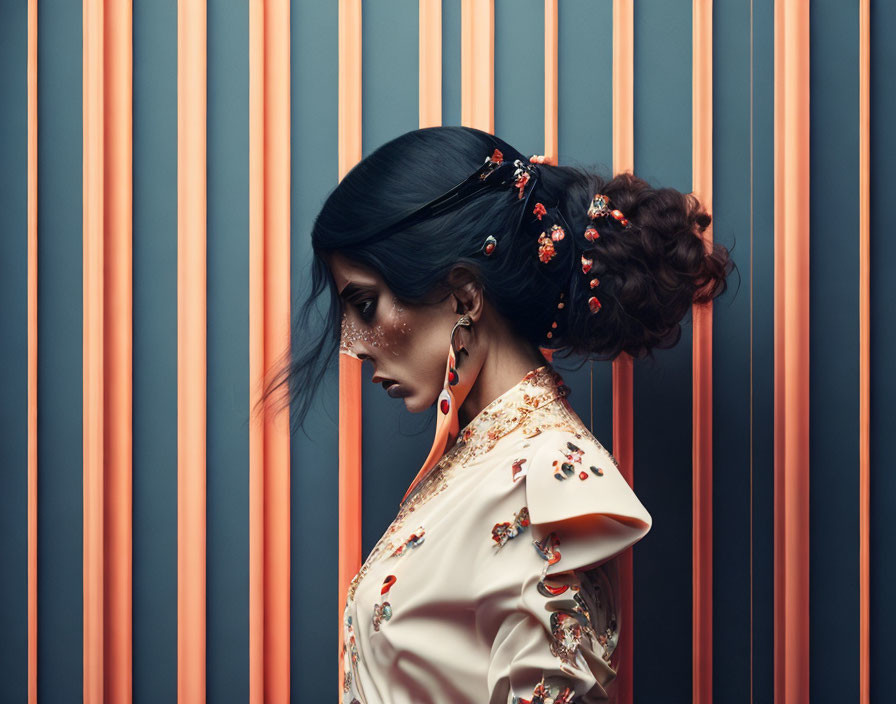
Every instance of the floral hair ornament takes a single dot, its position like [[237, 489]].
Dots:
[[495, 172], [598, 208], [489, 245]]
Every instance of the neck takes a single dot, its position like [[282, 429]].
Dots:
[[507, 360]]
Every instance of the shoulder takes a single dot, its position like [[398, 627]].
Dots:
[[574, 488]]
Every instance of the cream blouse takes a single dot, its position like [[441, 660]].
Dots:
[[494, 582]]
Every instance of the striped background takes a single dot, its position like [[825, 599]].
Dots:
[[162, 164]]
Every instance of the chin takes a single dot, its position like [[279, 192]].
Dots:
[[413, 405]]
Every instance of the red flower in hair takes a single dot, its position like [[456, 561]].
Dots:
[[539, 210], [546, 249]]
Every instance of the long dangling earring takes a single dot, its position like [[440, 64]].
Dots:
[[452, 396]]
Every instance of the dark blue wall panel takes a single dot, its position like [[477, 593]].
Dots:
[[314, 479], [662, 387], [883, 371], [585, 140], [763, 374], [155, 352], [227, 468], [14, 352], [59, 526], [394, 447], [834, 341], [731, 358]]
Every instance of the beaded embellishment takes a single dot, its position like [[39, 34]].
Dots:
[[547, 693], [517, 470], [502, 532], [383, 612], [414, 539], [547, 550]]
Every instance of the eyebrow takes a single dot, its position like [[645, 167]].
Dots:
[[351, 287]]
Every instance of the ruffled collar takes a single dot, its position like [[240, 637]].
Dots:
[[538, 388], [529, 405]]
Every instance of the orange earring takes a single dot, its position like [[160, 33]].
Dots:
[[450, 399]]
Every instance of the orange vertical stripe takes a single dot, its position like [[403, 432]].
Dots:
[[702, 661], [349, 153], [191, 349], [478, 64], [864, 351], [551, 103], [623, 446], [276, 339], [32, 351], [118, 351], [791, 436], [256, 352], [92, 418], [430, 47]]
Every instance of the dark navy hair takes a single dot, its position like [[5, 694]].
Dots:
[[649, 274]]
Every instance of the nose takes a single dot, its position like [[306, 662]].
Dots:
[[352, 341]]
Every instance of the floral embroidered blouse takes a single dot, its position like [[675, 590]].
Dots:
[[495, 581]]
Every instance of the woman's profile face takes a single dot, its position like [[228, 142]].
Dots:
[[407, 345]]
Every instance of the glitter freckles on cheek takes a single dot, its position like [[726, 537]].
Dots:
[[401, 324], [352, 333]]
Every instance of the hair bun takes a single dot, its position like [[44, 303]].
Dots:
[[637, 269]]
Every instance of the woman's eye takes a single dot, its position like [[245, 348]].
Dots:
[[366, 308]]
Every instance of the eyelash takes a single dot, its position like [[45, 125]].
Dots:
[[365, 311]]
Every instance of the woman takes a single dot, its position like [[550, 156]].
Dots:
[[457, 267]]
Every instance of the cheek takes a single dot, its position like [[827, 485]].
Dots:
[[354, 335], [396, 330]]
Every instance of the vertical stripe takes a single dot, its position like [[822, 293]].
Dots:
[[551, 81], [93, 351], [276, 341], [478, 64], [154, 478], [191, 348], [430, 42], [350, 428], [702, 662], [791, 441], [118, 351], [623, 445], [256, 352], [752, 293], [32, 351], [227, 442], [864, 350]]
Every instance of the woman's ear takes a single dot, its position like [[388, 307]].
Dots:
[[467, 293], [469, 300]]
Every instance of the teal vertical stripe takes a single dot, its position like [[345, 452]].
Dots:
[[60, 314], [883, 341], [585, 139], [14, 352], [227, 467], [763, 297], [834, 343], [731, 355], [662, 388], [315, 467], [519, 74], [155, 352], [451, 76], [395, 444]]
